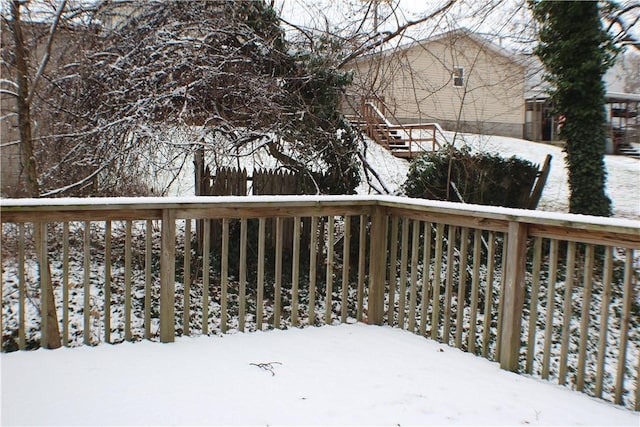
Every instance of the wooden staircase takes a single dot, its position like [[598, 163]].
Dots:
[[626, 149], [404, 141]]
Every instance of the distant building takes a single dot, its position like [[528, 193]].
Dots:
[[542, 123], [457, 79]]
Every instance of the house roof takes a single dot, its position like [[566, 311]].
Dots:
[[541, 95], [452, 34]]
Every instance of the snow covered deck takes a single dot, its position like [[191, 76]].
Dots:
[[551, 295]]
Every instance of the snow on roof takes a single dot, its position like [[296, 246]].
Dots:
[[455, 33]]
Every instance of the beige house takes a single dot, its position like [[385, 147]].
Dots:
[[458, 80]]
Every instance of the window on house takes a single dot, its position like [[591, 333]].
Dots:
[[458, 76]]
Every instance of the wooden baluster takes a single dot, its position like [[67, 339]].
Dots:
[[533, 309], [277, 304], [224, 275], [627, 299], [43, 265], [346, 258], [65, 284], [402, 298], [362, 243], [462, 285], [329, 277], [127, 282], [584, 321], [451, 240], [242, 310], [167, 276], [505, 260], [475, 285], [488, 302], [548, 331], [206, 257], [260, 285], [514, 296], [87, 283], [147, 279], [435, 315], [567, 312], [107, 282], [604, 319], [414, 276], [393, 272], [186, 314], [426, 267], [295, 273], [22, 288]]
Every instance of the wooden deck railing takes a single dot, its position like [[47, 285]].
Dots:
[[407, 140], [550, 295]]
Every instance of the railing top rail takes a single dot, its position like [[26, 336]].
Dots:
[[14, 210], [415, 126]]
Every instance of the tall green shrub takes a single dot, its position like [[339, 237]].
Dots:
[[483, 178]]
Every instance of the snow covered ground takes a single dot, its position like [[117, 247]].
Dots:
[[348, 374], [623, 183], [331, 375]]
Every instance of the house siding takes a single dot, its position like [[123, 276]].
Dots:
[[417, 85]]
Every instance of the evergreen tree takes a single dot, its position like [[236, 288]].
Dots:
[[576, 52]]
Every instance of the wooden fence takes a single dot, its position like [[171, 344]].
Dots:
[[550, 295]]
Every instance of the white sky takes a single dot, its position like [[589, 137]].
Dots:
[[331, 375]]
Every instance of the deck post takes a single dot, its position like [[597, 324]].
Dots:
[[167, 277], [513, 298], [377, 266]]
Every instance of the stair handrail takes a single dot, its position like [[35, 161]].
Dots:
[[381, 116]]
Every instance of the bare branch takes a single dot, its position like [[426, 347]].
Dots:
[[48, 47]]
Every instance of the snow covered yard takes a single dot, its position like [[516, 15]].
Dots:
[[623, 173], [347, 375]]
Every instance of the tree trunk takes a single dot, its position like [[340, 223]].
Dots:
[[29, 170]]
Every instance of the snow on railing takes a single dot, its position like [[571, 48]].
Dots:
[[552, 295]]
